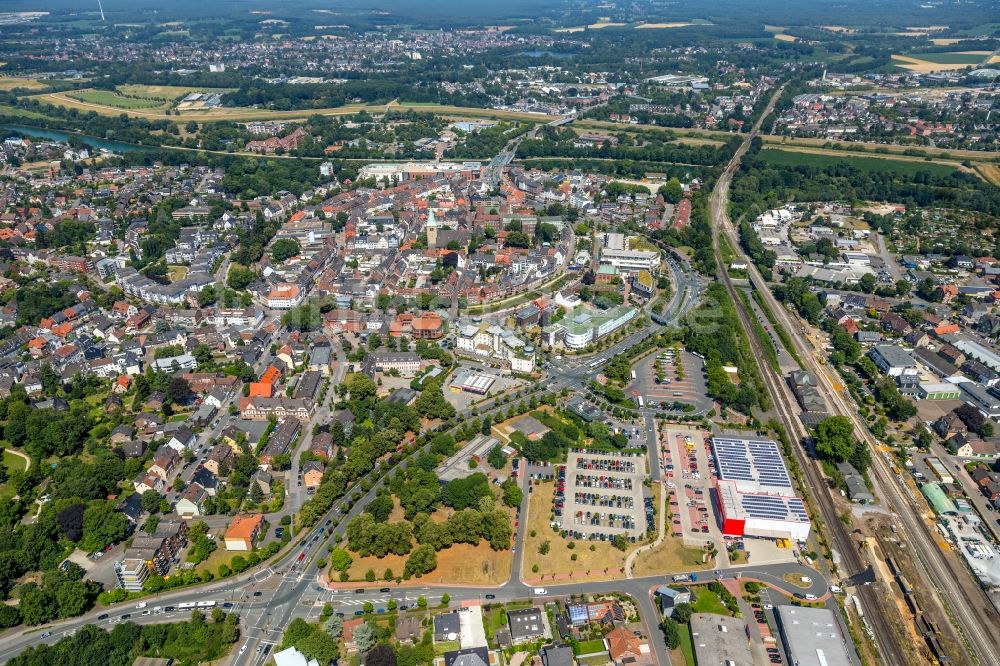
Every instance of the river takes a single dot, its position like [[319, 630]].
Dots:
[[93, 142]]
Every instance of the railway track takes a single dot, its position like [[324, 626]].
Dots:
[[852, 561], [967, 604]]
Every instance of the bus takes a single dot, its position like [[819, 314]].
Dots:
[[639, 400], [206, 604], [633, 375], [594, 364], [184, 605]]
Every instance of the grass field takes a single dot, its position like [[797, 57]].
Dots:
[[796, 580], [603, 563], [108, 98], [687, 645], [589, 647], [784, 141], [707, 601], [175, 273], [779, 157], [22, 113], [670, 556]]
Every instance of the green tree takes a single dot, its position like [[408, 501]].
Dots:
[[285, 248], [102, 526], [835, 438], [512, 493], [496, 457], [340, 559], [682, 613], [671, 634], [150, 501], [364, 637]]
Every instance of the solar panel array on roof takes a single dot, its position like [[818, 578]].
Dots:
[[774, 508], [752, 460]]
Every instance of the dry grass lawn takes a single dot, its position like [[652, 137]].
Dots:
[[796, 580], [928, 67], [461, 564], [604, 562], [781, 37], [671, 556]]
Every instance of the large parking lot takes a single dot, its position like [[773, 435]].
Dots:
[[669, 377], [688, 470], [600, 495]]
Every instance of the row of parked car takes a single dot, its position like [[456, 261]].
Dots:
[[601, 481], [610, 501], [607, 464]]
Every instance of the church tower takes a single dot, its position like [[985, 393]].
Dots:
[[432, 230]]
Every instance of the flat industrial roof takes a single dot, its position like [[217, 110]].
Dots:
[[755, 464], [720, 640], [812, 636], [736, 504]]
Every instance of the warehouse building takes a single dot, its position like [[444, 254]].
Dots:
[[754, 491], [812, 636], [754, 465], [720, 640], [761, 515]]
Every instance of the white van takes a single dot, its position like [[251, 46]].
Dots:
[[141, 604], [540, 591], [810, 597]]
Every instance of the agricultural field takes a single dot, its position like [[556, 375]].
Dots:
[[990, 172], [15, 82], [939, 62], [779, 157]]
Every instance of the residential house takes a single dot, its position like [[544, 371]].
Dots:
[[408, 629], [623, 645], [557, 655], [183, 439], [525, 624], [312, 474], [263, 479], [670, 598], [191, 502], [219, 456], [243, 532], [447, 627], [477, 656]]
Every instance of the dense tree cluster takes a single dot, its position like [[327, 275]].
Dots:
[[191, 642], [835, 442], [713, 330]]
